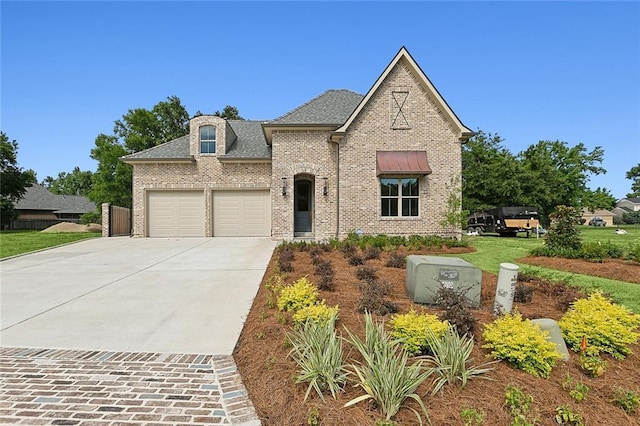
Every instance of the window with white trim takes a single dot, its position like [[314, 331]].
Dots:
[[208, 140], [399, 197]]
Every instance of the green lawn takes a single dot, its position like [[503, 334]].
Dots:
[[493, 250], [18, 242]]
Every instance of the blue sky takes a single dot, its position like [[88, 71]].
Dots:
[[528, 71]]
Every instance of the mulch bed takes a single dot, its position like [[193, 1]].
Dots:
[[615, 269], [268, 373]]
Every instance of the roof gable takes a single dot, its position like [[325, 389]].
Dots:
[[463, 132]]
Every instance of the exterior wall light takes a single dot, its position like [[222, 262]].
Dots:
[[325, 189], [284, 186]]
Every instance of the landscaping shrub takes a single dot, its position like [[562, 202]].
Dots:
[[91, 217], [521, 343], [451, 358], [633, 252], [319, 312], [563, 232], [456, 308], [348, 249], [519, 404], [372, 253], [384, 373], [563, 294], [285, 257], [597, 251], [366, 273], [324, 269], [523, 293], [608, 327], [396, 260], [566, 416], [318, 352], [627, 400], [298, 295], [373, 298], [355, 260], [417, 330]]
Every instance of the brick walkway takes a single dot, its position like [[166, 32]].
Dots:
[[63, 387]]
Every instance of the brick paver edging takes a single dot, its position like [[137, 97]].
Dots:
[[71, 387]]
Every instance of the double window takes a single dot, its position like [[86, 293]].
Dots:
[[208, 140], [399, 197]]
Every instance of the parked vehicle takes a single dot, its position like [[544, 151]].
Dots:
[[506, 221], [597, 221]]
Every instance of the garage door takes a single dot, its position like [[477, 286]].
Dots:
[[241, 214], [175, 214]]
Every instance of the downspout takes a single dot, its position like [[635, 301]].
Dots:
[[338, 191]]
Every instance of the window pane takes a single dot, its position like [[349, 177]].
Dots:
[[208, 133], [410, 187], [389, 207], [389, 187], [410, 207], [207, 147]]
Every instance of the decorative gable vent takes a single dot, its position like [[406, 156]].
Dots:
[[399, 109]]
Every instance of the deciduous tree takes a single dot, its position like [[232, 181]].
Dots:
[[634, 175], [77, 182], [14, 180]]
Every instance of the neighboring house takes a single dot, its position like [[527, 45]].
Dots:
[[626, 205], [606, 215], [39, 208], [380, 163]]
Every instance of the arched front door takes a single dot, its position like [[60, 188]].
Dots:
[[303, 207]]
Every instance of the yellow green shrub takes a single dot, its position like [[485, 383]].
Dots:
[[412, 329], [298, 295], [318, 313], [609, 328], [521, 343]]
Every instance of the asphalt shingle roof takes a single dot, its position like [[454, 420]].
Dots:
[[331, 107], [175, 149], [38, 197], [250, 143]]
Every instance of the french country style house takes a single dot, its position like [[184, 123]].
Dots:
[[380, 163]]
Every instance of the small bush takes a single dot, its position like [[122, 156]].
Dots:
[[366, 273], [563, 294], [285, 258], [627, 400], [348, 249], [633, 252], [577, 390], [324, 269], [372, 252], [91, 217], [373, 298], [300, 294], [596, 251], [355, 260], [592, 365], [566, 416], [456, 309], [471, 416], [563, 232], [523, 293], [608, 327], [396, 260], [319, 312], [519, 404], [416, 330], [522, 344]]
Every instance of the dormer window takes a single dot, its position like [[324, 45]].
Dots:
[[208, 140]]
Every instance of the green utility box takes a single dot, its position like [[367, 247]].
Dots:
[[426, 274]]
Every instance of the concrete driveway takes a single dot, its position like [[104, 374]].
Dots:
[[137, 295]]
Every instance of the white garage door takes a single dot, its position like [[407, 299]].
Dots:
[[241, 214], [175, 214]]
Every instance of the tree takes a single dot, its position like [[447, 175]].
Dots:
[[229, 113], [634, 175], [77, 182], [13, 179], [601, 198], [552, 173], [137, 130], [489, 174]]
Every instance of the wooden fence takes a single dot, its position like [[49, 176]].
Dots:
[[37, 224], [118, 221]]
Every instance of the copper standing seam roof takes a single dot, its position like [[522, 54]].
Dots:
[[402, 162]]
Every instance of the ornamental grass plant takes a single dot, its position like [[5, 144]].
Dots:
[[385, 374], [318, 352]]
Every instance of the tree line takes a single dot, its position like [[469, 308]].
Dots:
[[545, 175]]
